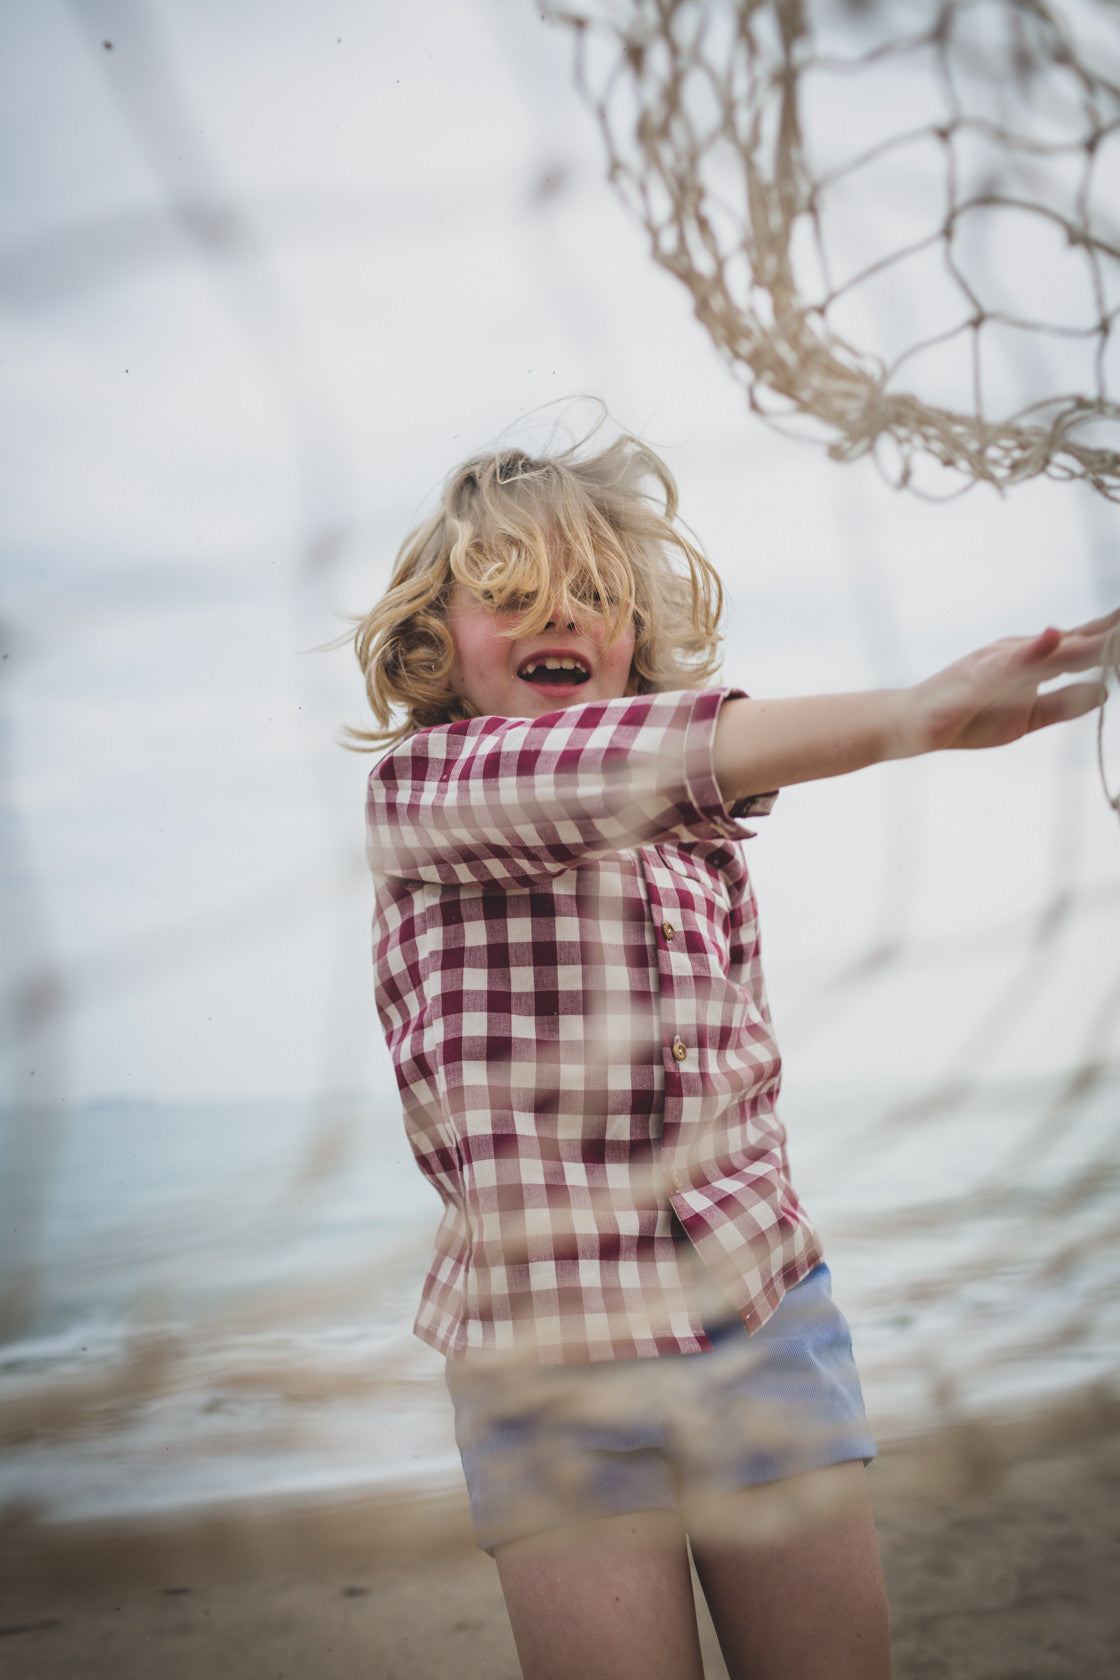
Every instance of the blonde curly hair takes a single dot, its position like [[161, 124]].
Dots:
[[513, 528]]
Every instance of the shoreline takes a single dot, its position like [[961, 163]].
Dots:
[[966, 1460], [1001, 1547]]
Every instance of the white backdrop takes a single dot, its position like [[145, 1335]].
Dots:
[[266, 272]]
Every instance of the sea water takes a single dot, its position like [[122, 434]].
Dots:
[[214, 1303]]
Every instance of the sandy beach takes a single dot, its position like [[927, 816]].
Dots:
[[996, 1571]]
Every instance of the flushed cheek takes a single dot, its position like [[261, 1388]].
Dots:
[[616, 665], [482, 656]]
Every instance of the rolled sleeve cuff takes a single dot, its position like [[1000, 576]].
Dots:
[[700, 777]]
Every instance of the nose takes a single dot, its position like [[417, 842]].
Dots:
[[563, 612]]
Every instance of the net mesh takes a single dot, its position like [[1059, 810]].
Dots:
[[894, 220], [1051, 1182]]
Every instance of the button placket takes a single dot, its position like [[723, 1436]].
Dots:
[[667, 910]]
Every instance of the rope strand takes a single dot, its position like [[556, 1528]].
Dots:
[[768, 153]]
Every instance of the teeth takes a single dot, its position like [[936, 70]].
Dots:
[[552, 665]]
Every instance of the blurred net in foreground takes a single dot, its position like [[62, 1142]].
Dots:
[[253, 1330], [897, 221]]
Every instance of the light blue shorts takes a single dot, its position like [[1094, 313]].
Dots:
[[557, 1444]]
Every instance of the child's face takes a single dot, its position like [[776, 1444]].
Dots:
[[504, 676]]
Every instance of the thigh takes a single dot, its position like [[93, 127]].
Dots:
[[604, 1600], [792, 1577]]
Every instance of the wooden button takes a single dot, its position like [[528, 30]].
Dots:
[[668, 929], [680, 1051], [676, 1181]]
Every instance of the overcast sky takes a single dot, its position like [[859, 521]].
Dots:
[[268, 269]]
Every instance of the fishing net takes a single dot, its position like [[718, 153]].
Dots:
[[898, 222], [213, 1310]]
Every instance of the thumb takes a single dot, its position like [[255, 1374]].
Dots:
[[1073, 700]]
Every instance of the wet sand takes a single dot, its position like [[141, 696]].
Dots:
[[994, 1573]]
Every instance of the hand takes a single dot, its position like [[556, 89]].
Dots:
[[985, 700], [992, 696]]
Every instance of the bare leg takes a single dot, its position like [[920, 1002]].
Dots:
[[802, 1600], [609, 1600]]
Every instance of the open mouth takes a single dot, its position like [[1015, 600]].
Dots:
[[557, 672]]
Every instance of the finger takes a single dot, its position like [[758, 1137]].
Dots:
[[1037, 650], [1098, 626], [1074, 700], [1080, 654], [1074, 650]]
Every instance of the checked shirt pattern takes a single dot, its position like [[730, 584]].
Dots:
[[567, 971]]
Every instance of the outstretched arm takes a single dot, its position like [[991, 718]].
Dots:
[[987, 699]]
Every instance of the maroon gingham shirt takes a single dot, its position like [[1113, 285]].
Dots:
[[567, 971]]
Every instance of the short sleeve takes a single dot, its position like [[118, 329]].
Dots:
[[510, 800]]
